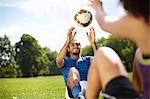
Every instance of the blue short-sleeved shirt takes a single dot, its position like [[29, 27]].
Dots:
[[81, 64]]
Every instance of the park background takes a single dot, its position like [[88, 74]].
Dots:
[[31, 34]]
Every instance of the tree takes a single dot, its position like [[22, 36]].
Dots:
[[54, 70], [8, 67], [87, 51], [124, 48], [31, 57]]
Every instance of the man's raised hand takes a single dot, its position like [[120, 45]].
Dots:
[[91, 35], [71, 34]]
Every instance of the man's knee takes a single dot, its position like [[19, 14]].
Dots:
[[73, 77], [74, 74]]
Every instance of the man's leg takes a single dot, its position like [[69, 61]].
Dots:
[[73, 82]]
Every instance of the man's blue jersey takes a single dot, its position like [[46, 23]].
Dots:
[[81, 64]]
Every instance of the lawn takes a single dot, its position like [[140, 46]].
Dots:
[[32, 88], [51, 87]]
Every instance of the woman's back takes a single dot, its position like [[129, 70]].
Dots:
[[142, 64]]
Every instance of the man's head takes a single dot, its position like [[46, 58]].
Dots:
[[74, 47]]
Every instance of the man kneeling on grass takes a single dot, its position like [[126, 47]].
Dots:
[[74, 67]]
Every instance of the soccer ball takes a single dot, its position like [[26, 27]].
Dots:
[[83, 18]]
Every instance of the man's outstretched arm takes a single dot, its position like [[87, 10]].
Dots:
[[91, 38], [62, 54]]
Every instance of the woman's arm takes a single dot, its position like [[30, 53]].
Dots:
[[117, 28]]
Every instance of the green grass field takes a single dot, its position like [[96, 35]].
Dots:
[[51, 87], [32, 88]]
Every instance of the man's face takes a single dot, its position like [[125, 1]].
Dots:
[[74, 48]]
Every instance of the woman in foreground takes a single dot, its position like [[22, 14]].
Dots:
[[107, 72]]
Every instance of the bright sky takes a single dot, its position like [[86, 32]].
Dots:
[[49, 20]]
